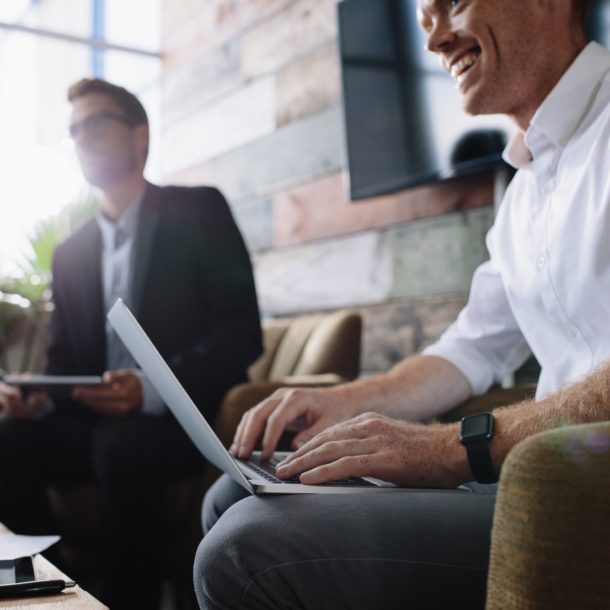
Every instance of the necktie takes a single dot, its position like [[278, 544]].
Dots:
[[117, 356]]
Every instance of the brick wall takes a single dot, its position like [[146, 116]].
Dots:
[[252, 105]]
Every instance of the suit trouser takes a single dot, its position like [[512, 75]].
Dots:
[[129, 459], [419, 550]]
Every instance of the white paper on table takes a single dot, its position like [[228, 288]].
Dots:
[[14, 545]]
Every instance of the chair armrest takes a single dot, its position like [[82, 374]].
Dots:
[[550, 544], [486, 402], [312, 381]]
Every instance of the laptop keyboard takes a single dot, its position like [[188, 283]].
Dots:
[[267, 471]]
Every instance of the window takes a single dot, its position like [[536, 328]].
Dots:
[[46, 45]]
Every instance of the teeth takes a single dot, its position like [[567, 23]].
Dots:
[[459, 67]]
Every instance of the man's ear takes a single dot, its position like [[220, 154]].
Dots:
[[142, 134]]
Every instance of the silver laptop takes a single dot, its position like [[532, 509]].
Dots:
[[254, 475]]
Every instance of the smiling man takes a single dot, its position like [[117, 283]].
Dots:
[[176, 257], [527, 59]]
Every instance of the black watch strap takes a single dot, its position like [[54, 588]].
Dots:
[[480, 462], [476, 434]]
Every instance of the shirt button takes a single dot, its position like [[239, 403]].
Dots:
[[540, 262], [572, 333]]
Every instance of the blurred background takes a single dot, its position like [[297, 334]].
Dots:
[[245, 95], [45, 46]]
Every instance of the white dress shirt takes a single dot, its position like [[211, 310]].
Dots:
[[117, 248], [546, 286]]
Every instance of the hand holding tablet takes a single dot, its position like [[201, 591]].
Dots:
[[120, 394]]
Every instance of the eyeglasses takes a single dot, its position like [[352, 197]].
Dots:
[[97, 124]]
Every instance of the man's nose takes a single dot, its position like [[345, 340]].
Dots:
[[440, 35]]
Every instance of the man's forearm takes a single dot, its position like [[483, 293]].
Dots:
[[585, 401], [416, 389]]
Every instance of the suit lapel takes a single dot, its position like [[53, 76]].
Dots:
[[89, 290], [147, 225]]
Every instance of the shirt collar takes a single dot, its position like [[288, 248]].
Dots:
[[562, 111], [127, 222]]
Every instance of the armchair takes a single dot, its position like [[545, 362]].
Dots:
[[314, 351], [550, 541]]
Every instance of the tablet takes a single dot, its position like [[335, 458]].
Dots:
[[16, 570], [52, 382]]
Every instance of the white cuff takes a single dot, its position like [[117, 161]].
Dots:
[[152, 403]]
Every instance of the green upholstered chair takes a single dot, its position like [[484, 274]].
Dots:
[[550, 545]]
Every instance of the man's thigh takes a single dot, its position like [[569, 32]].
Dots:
[[144, 446], [407, 550], [34, 454], [53, 449]]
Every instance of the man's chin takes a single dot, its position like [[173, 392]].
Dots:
[[475, 104], [98, 179]]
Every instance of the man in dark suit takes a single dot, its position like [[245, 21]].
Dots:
[[177, 258]]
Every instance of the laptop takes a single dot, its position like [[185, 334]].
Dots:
[[254, 475]]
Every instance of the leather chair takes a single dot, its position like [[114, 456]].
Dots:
[[312, 351]]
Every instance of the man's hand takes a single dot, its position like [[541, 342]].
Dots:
[[400, 452], [306, 410], [16, 405], [121, 394]]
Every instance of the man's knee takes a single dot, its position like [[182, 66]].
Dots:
[[214, 572], [20, 448], [206, 571], [219, 498], [231, 553], [118, 455]]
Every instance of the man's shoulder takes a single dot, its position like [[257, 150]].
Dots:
[[187, 202], [83, 237], [178, 194]]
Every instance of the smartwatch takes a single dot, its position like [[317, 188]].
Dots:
[[475, 434]]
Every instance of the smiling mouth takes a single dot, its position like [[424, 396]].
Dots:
[[460, 68]]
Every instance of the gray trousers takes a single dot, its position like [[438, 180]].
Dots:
[[419, 550]]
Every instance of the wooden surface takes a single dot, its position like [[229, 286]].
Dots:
[[75, 597]]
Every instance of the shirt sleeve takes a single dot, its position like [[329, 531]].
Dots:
[[152, 403], [485, 342]]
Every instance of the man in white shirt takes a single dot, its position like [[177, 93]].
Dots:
[[545, 287]]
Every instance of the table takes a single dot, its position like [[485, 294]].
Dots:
[[74, 598]]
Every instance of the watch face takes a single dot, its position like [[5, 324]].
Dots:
[[476, 427]]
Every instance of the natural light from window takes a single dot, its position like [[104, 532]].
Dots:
[[39, 173]]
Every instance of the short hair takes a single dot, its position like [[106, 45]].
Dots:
[[129, 104]]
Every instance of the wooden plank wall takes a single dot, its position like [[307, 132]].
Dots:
[[252, 104]]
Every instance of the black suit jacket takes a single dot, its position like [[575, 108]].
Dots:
[[192, 290]]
